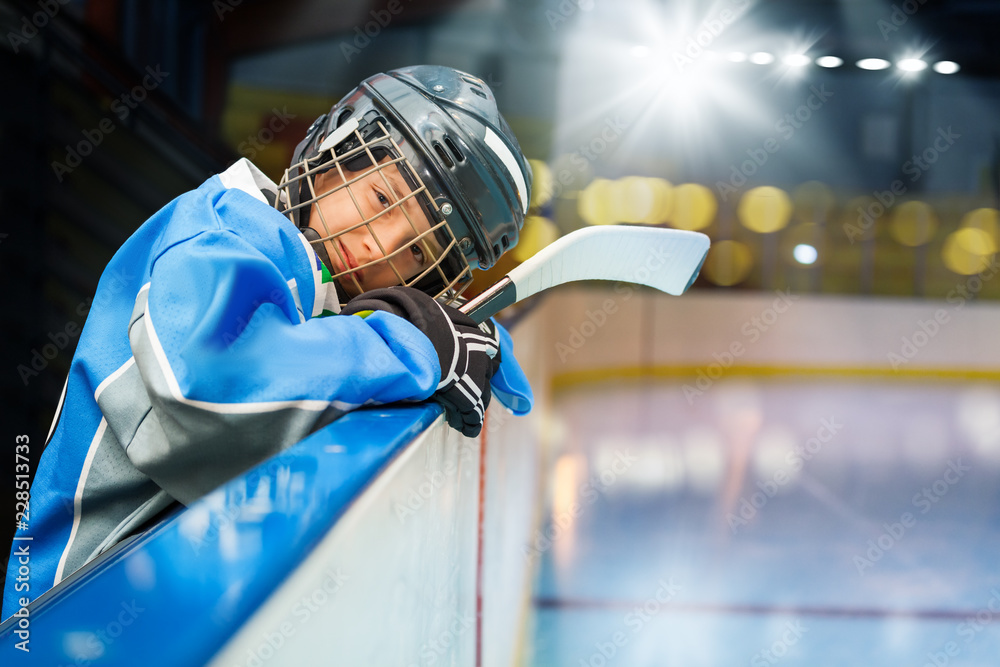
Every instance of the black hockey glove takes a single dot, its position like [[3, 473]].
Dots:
[[469, 353]]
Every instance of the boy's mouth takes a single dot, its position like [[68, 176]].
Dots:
[[346, 257], [348, 265]]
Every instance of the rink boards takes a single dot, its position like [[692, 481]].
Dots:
[[381, 539]]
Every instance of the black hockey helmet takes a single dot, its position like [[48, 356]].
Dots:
[[443, 132]]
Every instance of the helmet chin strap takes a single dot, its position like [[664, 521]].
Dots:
[[313, 237]]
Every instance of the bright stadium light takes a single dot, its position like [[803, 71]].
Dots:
[[873, 63], [761, 58], [829, 61], [736, 57], [640, 51], [805, 254], [946, 67], [796, 60], [912, 65]]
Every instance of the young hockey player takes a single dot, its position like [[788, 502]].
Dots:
[[244, 316]]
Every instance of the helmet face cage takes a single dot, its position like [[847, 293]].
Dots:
[[372, 148]]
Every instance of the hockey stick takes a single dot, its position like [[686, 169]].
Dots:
[[667, 259]]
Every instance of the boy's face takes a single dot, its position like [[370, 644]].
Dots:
[[385, 251]]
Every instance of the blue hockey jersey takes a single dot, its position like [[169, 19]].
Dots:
[[203, 354]]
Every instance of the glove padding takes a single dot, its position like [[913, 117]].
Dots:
[[469, 353]]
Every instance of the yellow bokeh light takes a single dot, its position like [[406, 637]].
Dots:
[[813, 201], [537, 233], [913, 223], [968, 251], [975, 241], [640, 200], [663, 200], [694, 207], [595, 204], [634, 200], [541, 183], [986, 219], [765, 209], [728, 263]]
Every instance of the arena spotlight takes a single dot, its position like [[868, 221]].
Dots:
[[873, 63], [946, 67], [736, 57], [796, 60], [829, 61], [761, 58], [911, 65], [640, 51]]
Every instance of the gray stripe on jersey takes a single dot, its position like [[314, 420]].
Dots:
[[124, 404], [115, 497]]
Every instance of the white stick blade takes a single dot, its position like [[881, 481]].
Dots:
[[666, 259]]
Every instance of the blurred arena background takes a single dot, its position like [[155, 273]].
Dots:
[[844, 153]]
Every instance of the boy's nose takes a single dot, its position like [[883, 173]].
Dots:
[[390, 235]]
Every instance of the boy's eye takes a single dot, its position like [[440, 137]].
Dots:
[[418, 253], [382, 199]]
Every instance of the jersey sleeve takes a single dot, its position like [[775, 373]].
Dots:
[[509, 383], [233, 374]]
